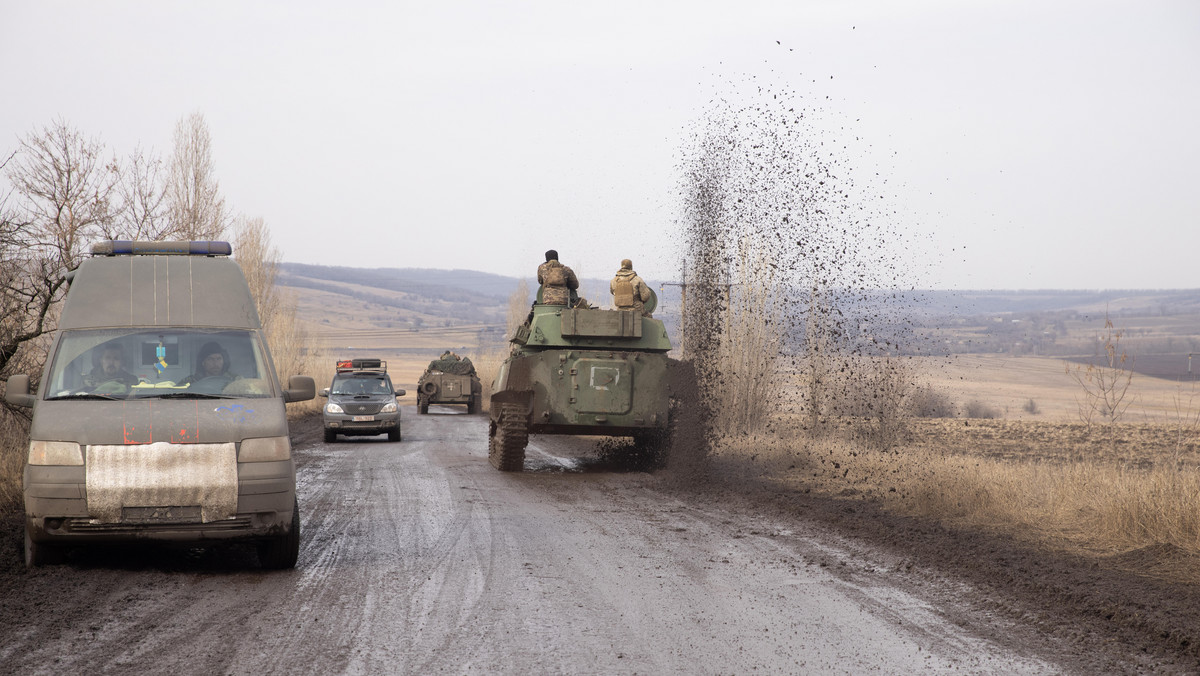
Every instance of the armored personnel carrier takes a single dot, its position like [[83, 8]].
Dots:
[[583, 371], [449, 379]]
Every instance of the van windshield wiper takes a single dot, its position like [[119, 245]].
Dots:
[[85, 395], [189, 395]]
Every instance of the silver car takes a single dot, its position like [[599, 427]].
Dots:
[[362, 401]]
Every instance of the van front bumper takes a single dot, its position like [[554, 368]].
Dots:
[[56, 509]]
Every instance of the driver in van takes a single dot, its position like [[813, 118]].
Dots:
[[211, 362], [106, 368]]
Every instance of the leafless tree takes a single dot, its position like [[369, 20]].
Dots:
[[1104, 386], [142, 213], [259, 260], [196, 209], [60, 200], [518, 306]]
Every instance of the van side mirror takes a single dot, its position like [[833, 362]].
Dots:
[[300, 388], [17, 391], [324, 392], [400, 393]]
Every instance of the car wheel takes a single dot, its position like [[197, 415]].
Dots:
[[330, 436], [40, 554], [283, 551]]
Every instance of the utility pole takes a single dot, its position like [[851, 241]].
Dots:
[[682, 314]]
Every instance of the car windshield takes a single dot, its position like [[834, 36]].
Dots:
[[156, 363], [359, 383]]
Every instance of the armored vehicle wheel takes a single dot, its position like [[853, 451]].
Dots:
[[508, 436], [394, 435], [282, 551], [38, 554], [330, 436], [422, 405], [473, 405]]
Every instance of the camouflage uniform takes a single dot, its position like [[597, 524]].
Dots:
[[557, 282], [628, 290]]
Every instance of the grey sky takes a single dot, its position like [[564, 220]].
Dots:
[[1026, 144]]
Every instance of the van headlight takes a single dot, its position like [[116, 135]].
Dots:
[[333, 408], [389, 407], [264, 450], [55, 453]]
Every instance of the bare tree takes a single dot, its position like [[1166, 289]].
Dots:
[[60, 200], [518, 306], [142, 213], [1104, 386], [196, 209], [259, 260]]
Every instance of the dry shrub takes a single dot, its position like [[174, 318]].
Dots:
[[487, 366], [286, 338], [978, 409], [926, 401], [487, 362], [1083, 506], [1031, 407], [14, 444]]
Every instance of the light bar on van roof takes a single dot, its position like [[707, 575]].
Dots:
[[128, 248]]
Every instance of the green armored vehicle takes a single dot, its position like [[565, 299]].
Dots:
[[449, 379], [583, 371]]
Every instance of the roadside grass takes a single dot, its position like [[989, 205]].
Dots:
[[14, 444], [1077, 496]]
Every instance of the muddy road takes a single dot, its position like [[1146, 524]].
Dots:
[[418, 557]]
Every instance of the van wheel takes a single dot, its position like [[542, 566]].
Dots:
[[394, 435], [282, 551], [330, 436], [40, 554]]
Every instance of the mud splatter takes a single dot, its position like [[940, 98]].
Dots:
[[791, 269]]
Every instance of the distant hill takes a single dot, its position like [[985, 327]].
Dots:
[[343, 303]]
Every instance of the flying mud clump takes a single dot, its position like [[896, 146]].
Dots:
[[793, 304]]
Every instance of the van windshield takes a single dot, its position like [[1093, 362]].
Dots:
[[157, 363]]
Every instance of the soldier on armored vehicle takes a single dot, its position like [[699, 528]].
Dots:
[[582, 371], [450, 379]]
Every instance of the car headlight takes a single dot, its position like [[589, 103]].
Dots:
[[55, 453], [265, 449], [333, 408], [389, 407]]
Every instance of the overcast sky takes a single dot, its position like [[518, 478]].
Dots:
[[1027, 144]]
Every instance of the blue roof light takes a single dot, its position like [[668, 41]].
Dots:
[[130, 248]]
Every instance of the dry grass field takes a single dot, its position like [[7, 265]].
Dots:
[[1007, 383], [1123, 492]]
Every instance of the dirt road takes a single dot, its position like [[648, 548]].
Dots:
[[418, 557]]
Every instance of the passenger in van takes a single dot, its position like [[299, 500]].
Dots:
[[107, 373], [211, 362]]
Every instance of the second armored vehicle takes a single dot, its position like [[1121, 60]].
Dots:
[[450, 379], [583, 371]]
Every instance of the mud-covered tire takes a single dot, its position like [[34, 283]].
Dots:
[[282, 552], [41, 554], [394, 435], [508, 435], [473, 406], [330, 436], [422, 405]]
